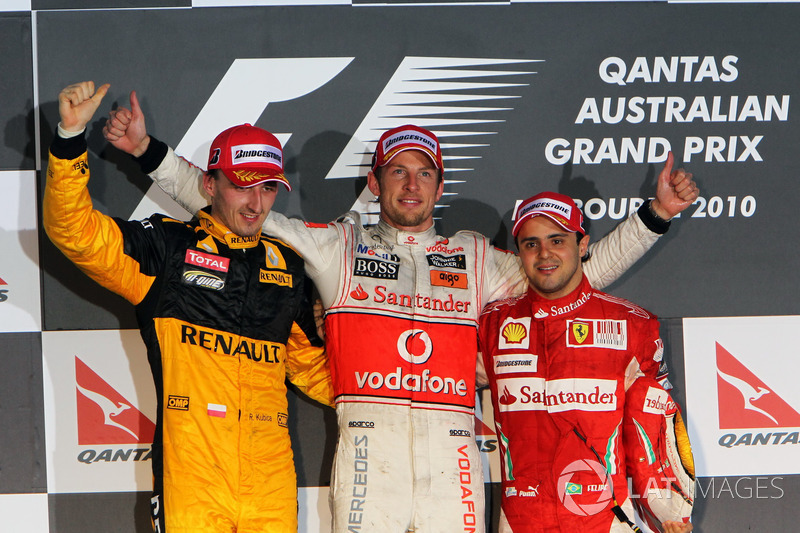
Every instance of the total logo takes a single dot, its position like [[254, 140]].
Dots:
[[573, 495], [106, 418]]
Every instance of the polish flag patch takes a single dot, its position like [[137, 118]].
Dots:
[[217, 410]]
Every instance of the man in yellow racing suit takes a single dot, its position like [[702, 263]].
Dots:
[[224, 312]]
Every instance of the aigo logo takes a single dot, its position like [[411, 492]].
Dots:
[[415, 346], [569, 491]]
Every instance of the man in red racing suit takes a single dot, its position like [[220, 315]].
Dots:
[[560, 359], [225, 318], [402, 308]]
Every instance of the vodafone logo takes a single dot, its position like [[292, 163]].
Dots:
[[746, 402], [104, 415], [414, 346]]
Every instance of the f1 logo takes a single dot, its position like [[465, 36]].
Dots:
[[247, 89]]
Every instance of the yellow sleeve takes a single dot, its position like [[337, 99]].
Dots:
[[88, 238], [307, 367]]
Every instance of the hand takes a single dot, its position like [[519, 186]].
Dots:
[[677, 527], [125, 129], [77, 104], [675, 191], [319, 318]]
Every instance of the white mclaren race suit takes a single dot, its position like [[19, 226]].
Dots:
[[401, 334]]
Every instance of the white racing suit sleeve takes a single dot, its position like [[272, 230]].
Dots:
[[609, 258], [182, 181], [615, 253]]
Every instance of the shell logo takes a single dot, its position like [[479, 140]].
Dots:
[[514, 333]]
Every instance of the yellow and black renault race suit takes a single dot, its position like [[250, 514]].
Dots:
[[226, 320]]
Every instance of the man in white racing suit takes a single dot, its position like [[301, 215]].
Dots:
[[402, 309]]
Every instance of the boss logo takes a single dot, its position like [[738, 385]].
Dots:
[[372, 268]]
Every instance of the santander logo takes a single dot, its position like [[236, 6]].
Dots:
[[104, 415], [747, 402], [359, 293]]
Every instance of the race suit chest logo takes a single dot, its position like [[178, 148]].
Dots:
[[453, 280], [458, 261], [202, 277], [597, 333], [373, 268], [515, 363], [414, 346], [556, 395], [418, 301], [514, 333], [375, 262], [275, 277], [226, 344]]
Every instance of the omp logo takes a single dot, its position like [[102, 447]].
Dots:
[[420, 88], [179, 403], [747, 402], [104, 415]]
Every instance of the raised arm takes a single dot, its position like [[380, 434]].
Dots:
[[615, 253], [88, 238], [125, 129]]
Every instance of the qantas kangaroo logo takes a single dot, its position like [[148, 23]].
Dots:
[[747, 402], [104, 415]]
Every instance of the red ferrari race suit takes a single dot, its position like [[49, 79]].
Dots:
[[226, 319], [402, 315], [559, 371]]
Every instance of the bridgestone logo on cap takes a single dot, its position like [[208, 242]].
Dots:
[[409, 136], [546, 205], [255, 153]]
